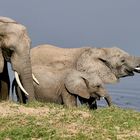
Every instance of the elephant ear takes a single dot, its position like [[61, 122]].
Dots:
[[77, 85]]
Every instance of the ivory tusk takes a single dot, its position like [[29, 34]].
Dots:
[[34, 78], [103, 97], [137, 68], [19, 83]]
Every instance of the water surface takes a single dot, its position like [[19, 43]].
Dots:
[[126, 93]]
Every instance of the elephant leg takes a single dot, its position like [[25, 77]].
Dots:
[[21, 98], [4, 93], [4, 84], [92, 104], [69, 100], [83, 100]]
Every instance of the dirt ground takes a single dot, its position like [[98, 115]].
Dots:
[[10, 108]]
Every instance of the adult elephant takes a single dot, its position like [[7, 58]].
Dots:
[[15, 48], [109, 64]]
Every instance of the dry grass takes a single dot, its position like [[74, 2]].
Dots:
[[10, 109], [38, 121]]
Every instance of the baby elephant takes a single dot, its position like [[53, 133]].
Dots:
[[89, 88], [63, 87]]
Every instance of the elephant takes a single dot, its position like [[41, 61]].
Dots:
[[65, 87], [89, 88], [15, 48], [108, 64]]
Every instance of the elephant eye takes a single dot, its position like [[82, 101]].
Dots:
[[123, 60], [98, 86]]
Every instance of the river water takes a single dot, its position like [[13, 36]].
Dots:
[[125, 94]]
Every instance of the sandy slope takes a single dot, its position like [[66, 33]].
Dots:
[[10, 108]]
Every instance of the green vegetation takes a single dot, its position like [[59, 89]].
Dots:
[[54, 122]]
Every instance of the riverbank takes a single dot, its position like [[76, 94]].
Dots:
[[54, 122]]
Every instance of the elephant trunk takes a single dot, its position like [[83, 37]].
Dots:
[[4, 83], [26, 77], [103, 93], [108, 100]]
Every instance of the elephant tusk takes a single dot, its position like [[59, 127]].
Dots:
[[137, 68], [35, 80], [19, 83]]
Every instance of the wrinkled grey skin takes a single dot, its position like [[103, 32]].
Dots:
[[14, 48], [107, 64], [63, 88], [51, 87], [89, 88], [110, 64]]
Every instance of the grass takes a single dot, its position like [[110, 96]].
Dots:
[[54, 122]]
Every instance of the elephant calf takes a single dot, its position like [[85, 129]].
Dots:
[[89, 88], [63, 88]]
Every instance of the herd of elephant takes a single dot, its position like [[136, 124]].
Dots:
[[61, 75]]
